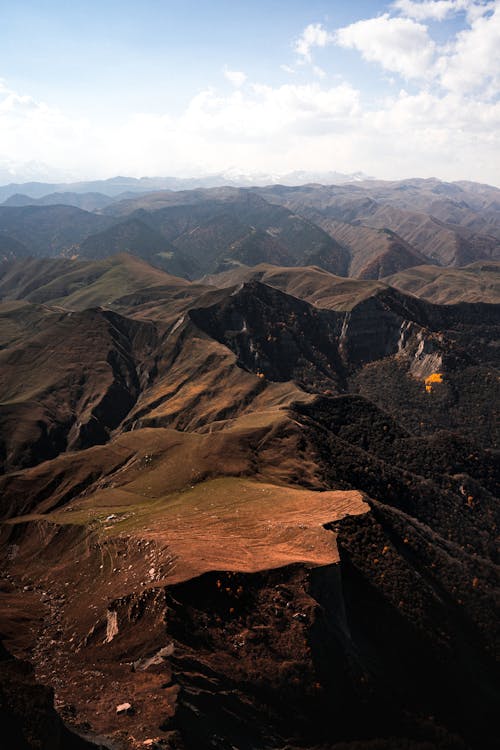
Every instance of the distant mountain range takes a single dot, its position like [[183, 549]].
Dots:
[[115, 186], [368, 229]]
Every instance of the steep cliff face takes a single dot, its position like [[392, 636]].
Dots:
[[286, 338], [276, 336], [384, 347]]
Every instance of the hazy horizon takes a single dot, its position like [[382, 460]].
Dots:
[[391, 89], [216, 180]]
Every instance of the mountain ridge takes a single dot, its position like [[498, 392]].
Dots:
[[259, 506]]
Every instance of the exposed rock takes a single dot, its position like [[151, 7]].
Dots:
[[124, 709]]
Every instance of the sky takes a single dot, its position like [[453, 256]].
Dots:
[[408, 88]]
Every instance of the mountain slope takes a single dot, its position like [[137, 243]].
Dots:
[[478, 282], [310, 283], [136, 237], [259, 509], [245, 228], [77, 285], [48, 230], [11, 249], [81, 375], [401, 208]]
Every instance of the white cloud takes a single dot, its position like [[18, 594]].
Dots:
[[472, 61], [32, 132], [287, 69], [450, 136], [265, 111], [448, 125], [436, 10], [399, 45], [314, 35], [469, 61], [266, 128], [439, 10], [236, 77], [318, 72], [258, 128]]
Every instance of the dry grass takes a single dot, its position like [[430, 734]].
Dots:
[[221, 524]]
